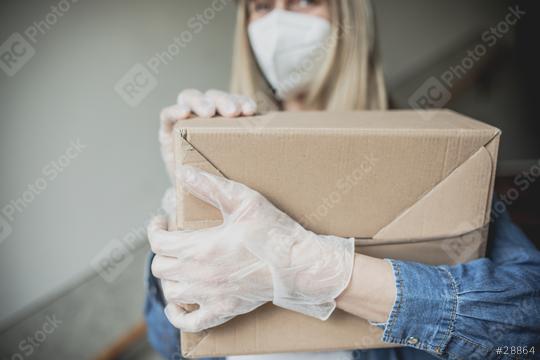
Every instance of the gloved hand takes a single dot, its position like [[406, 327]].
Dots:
[[258, 254], [168, 203], [204, 105]]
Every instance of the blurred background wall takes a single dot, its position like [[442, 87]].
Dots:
[[66, 92], [79, 158]]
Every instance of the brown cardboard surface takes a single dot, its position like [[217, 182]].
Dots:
[[463, 213], [406, 185]]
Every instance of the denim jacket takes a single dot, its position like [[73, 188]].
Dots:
[[485, 309]]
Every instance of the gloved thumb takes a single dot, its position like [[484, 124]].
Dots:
[[224, 194], [194, 321]]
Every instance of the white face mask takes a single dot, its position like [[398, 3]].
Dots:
[[289, 47]]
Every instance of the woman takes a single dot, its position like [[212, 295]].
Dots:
[[298, 55]]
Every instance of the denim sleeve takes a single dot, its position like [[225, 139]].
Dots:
[[467, 311]]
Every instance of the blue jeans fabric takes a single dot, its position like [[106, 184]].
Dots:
[[464, 311]]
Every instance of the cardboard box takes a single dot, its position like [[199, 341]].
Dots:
[[406, 185]]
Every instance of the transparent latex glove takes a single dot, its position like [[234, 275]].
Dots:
[[193, 102], [168, 203], [258, 254]]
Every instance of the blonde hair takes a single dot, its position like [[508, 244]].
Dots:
[[351, 77]]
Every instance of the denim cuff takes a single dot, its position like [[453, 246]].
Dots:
[[424, 313]]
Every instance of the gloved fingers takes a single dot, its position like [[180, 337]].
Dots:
[[168, 201], [194, 321], [222, 193], [199, 103], [173, 269], [157, 223], [184, 245], [174, 243], [247, 105], [167, 154], [195, 270], [175, 293], [226, 104], [170, 115]]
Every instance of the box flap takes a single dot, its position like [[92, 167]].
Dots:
[[456, 205], [206, 214], [188, 154], [448, 250]]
